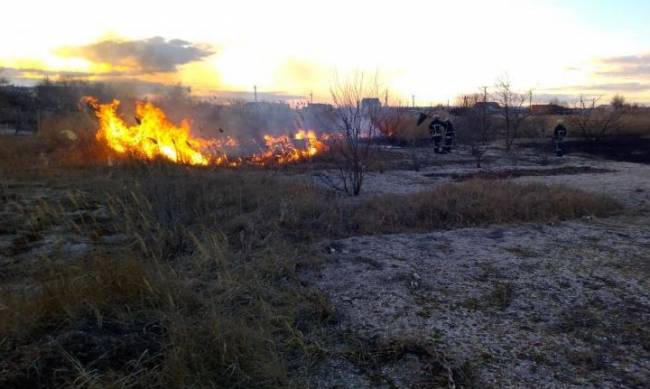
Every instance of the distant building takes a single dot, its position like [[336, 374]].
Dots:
[[490, 106], [548, 109], [267, 105], [369, 104], [319, 107]]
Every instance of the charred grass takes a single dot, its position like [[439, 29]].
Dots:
[[203, 290]]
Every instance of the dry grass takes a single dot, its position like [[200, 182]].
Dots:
[[478, 202], [636, 122], [65, 293], [210, 258], [206, 256]]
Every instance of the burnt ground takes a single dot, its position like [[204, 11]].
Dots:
[[620, 148], [518, 306]]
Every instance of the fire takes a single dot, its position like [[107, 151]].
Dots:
[[155, 136], [282, 149]]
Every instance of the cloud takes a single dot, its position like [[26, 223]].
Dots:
[[606, 87], [629, 59], [626, 66], [11, 72], [627, 71], [619, 87], [153, 55]]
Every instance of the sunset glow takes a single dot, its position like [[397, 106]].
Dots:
[[430, 50]]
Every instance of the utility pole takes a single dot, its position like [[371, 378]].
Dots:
[[255, 92], [413, 101], [484, 122], [311, 97], [386, 98]]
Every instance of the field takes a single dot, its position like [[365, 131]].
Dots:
[[532, 271]]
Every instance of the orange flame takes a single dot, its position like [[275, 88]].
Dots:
[[154, 136], [281, 149]]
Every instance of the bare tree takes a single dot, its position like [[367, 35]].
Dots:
[[618, 102], [3, 80], [513, 112], [477, 129], [356, 126], [593, 122]]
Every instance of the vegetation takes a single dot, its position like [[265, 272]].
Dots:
[[513, 112], [593, 122], [206, 270], [357, 127], [476, 126], [189, 277]]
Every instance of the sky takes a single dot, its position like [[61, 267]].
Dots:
[[432, 50]]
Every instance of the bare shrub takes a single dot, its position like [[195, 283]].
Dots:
[[513, 113], [593, 122], [477, 128], [356, 128]]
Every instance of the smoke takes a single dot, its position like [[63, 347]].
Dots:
[[153, 55]]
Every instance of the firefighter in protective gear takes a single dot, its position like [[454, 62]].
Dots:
[[437, 129], [558, 140], [450, 137]]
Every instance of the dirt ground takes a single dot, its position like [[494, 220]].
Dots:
[[515, 306], [534, 305]]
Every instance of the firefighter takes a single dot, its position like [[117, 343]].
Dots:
[[450, 137], [437, 130], [558, 140]]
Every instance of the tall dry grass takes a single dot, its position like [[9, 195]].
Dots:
[[476, 203], [212, 257], [67, 292]]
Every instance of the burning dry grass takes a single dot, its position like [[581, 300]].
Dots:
[[75, 139], [154, 136], [210, 259]]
